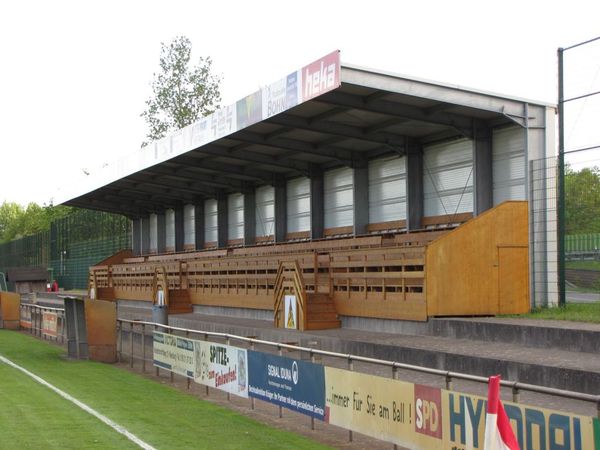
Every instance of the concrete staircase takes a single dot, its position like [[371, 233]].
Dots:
[[321, 312]]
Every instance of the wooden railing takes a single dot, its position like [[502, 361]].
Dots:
[[371, 276], [289, 280]]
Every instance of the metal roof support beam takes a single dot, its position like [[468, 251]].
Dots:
[[136, 237], [174, 196], [179, 182], [249, 217], [161, 232], [251, 157], [222, 222], [414, 187], [199, 224], [167, 187], [337, 129], [193, 177], [317, 204], [461, 124], [145, 235], [153, 204], [342, 155], [280, 209], [226, 169], [361, 198], [483, 183], [179, 230], [118, 207]]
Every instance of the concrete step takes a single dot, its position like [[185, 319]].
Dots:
[[557, 334]]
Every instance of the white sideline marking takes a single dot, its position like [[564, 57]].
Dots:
[[86, 408]]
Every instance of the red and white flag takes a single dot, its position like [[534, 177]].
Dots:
[[498, 432]]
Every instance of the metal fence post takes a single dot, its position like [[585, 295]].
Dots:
[[143, 347], [120, 325], [350, 368], [280, 407], [252, 404], [154, 330], [228, 393], [171, 375], [449, 382], [516, 396], [131, 344], [395, 377], [312, 418], [206, 339], [187, 335]]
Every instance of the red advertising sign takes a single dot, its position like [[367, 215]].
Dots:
[[428, 411], [49, 324], [321, 76]]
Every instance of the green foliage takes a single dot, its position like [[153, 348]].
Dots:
[[17, 222], [181, 94], [582, 200], [158, 414]]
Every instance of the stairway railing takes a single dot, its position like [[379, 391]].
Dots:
[[289, 272]]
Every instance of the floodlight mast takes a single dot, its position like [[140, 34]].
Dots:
[[561, 206]]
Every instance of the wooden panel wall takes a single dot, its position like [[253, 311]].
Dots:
[[10, 308], [481, 268]]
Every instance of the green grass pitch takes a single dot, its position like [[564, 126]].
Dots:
[[34, 417]]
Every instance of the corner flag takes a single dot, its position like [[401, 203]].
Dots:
[[498, 432]]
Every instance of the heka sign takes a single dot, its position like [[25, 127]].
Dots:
[[321, 76]]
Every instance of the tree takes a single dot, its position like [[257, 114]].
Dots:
[[582, 200], [16, 221], [181, 94]]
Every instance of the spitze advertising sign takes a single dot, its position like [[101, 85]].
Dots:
[[174, 353], [222, 367], [291, 383]]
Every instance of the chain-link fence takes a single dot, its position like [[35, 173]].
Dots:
[[70, 247], [582, 224], [543, 249], [582, 228]]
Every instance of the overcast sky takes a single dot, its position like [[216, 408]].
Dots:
[[74, 75]]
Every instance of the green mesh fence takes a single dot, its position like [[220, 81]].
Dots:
[[70, 247]]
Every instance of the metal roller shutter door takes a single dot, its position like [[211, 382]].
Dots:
[[153, 233], [210, 221], [448, 178], [235, 216], [387, 189], [298, 205], [170, 233], [338, 186], [265, 211], [508, 164], [189, 226]]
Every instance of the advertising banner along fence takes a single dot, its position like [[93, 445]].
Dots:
[[25, 320], [174, 353], [417, 416], [222, 367], [291, 383], [411, 415], [50, 323]]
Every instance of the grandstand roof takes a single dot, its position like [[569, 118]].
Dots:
[[324, 115]]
